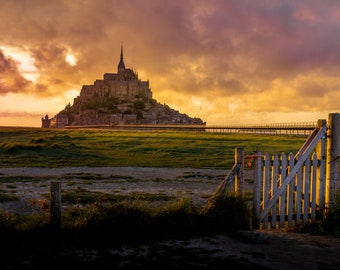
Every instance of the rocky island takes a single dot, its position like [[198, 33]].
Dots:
[[119, 98]]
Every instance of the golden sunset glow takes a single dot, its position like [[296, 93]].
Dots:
[[253, 61], [71, 59]]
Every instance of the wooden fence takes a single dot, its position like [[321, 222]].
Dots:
[[292, 190]]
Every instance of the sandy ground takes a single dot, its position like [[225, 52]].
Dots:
[[266, 249], [196, 183]]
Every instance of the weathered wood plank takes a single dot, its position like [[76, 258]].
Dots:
[[235, 175], [55, 207], [257, 190], [275, 182], [321, 174], [239, 177], [283, 194], [290, 193], [306, 191], [298, 196], [266, 185], [333, 158], [313, 187]]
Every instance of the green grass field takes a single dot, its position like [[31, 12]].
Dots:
[[36, 147]]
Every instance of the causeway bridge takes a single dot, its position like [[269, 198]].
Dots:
[[298, 128]]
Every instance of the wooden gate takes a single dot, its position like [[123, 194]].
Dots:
[[290, 190]]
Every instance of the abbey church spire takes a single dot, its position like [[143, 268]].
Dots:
[[121, 65]]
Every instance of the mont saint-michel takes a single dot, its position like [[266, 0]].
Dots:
[[119, 98]]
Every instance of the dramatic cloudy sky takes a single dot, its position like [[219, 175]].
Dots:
[[249, 61]]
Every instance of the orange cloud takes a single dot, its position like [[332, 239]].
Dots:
[[252, 57]]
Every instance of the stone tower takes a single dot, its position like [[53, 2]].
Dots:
[[121, 65]]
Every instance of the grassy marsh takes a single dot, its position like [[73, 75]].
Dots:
[[36, 147]]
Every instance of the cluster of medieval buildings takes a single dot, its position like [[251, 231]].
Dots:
[[119, 98]]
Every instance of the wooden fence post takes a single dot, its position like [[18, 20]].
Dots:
[[333, 154], [320, 151], [239, 180], [257, 190], [55, 209]]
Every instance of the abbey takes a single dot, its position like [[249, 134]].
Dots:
[[119, 98], [123, 85]]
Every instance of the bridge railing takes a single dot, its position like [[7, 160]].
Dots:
[[298, 128]]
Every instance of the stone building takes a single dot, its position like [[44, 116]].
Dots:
[[123, 85], [118, 98], [59, 121], [45, 122]]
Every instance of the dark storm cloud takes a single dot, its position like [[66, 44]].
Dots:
[[11, 79], [230, 48]]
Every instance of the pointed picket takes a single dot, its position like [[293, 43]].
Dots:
[[274, 185], [290, 193], [313, 187], [306, 191]]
